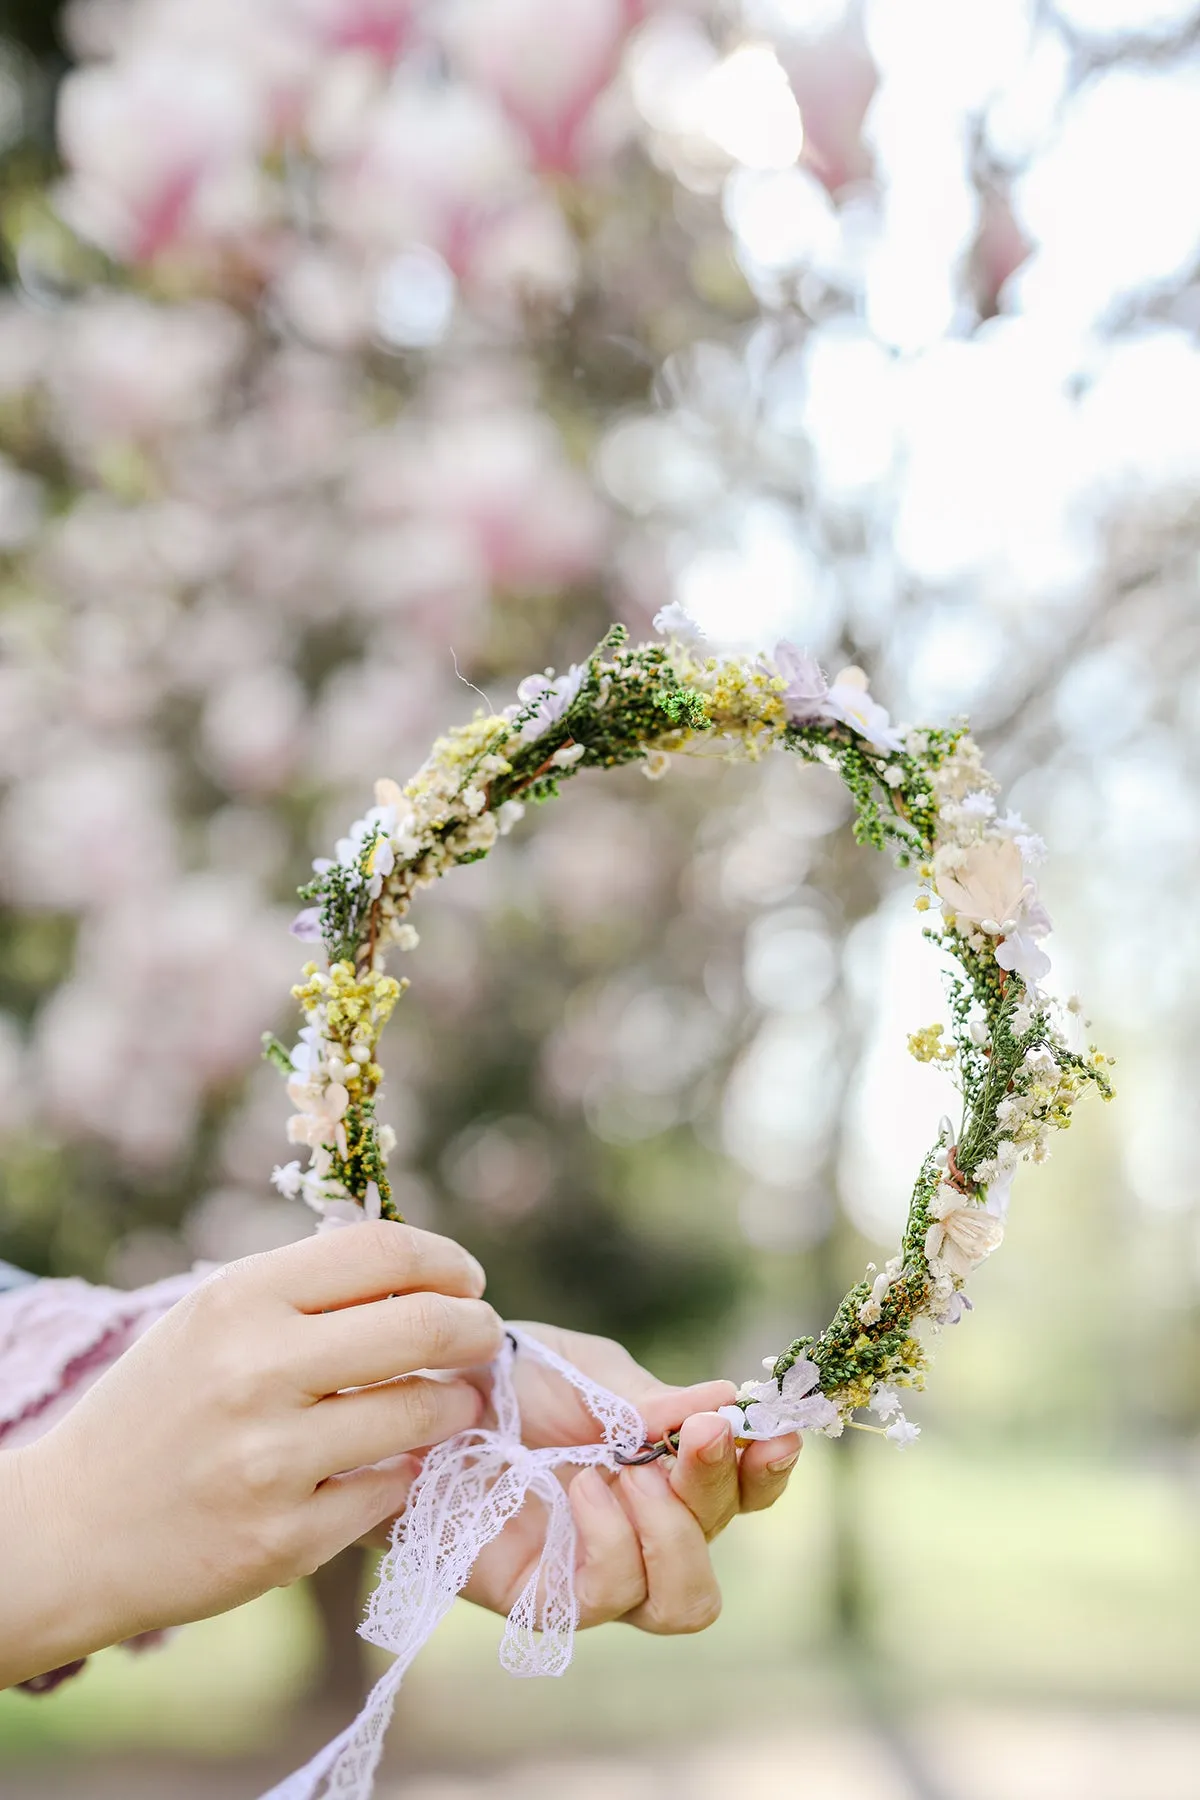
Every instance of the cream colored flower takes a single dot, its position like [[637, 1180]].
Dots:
[[389, 793], [988, 889], [961, 1233], [850, 702]]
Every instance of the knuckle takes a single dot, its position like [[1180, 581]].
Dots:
[[489, 1327], [701, 1611], [246, 1377], [262, 1466], [278, 1547], [723, 1521], [432, 1322], [217, 1304], [426, 1408], [400, 1251]]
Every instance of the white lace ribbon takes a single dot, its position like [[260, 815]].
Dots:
[[469, 1489]]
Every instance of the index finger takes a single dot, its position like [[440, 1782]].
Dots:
[[666, 1409], [364, 1262]]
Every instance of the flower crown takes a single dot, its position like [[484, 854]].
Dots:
[[924, 792]]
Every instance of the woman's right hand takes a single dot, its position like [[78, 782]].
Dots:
[[222, 1456]]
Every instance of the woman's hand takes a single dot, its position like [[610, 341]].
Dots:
[[219, 1456], [643, 1535]]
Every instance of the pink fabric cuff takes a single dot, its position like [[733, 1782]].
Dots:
[[58, 1337]]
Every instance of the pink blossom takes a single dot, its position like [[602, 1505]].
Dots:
[[545, 61], [130, 371], [252, 729], [834, 80], [431, 166], [200, 115], [500, 479], [999, 250], [379, 27]]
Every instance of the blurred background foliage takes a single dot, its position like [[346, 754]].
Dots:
[[354, 349]]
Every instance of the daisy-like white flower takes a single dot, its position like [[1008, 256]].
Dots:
[[961, 1233], [675, 621], [903, 1433], [379, 821], [884, 1401], [850, 702]]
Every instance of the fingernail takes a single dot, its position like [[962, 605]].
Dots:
[[784, 1464], [480, 1274], [718, 1449]]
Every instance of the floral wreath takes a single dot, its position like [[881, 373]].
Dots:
[[924, 792]]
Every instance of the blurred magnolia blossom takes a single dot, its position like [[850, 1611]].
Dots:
[[200, 967], [546, 62], [122, 834], [199, 185], [134, 373], [496, 480]]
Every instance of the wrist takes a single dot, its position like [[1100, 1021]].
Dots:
[[55, 1607]]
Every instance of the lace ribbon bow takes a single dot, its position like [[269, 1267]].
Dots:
[[468, 1490]]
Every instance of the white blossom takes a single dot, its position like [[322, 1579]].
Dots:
[[674, 620], [903, 1433], [850, 702], [288, 1180], [960, 1234], [568, 756]]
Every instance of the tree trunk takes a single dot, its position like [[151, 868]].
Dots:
[[343, 1675]]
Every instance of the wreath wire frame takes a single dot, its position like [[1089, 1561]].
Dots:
[[922, 791]]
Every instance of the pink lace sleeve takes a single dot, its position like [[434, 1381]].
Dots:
[[56, 1339]]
